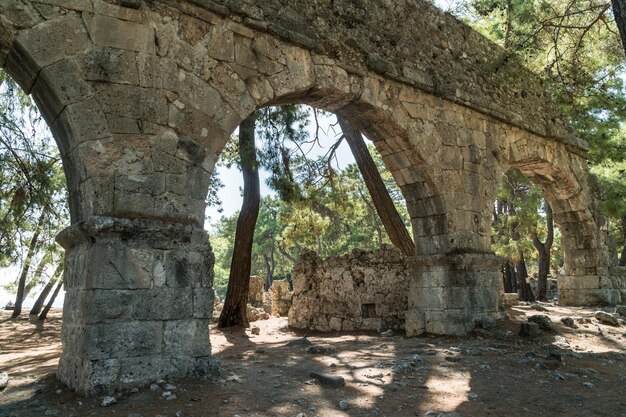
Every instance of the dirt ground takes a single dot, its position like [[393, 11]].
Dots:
[[490, 374]]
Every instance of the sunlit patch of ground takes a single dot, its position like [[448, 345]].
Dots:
[[500, 375]]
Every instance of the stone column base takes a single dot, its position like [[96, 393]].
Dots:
[[593, 290], [138, 302], [447, 293]]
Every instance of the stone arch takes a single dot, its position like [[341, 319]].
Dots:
[[157, 86], [560, 171]]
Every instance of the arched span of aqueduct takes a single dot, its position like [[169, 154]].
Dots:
[[142, 95]]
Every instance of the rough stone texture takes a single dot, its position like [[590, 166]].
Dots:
[[448, 294], [362, 290], [280, 298], [255, 295], [141, 97], [510, 298], [137, 305]]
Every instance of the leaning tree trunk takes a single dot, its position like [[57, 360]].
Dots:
[[543, 249], [392, 221], [36, 275], [46, 290], [234, 311], [619, 11], [45, 311], [622, 259], [29, 257]]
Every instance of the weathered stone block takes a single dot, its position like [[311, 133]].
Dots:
[[187, 337], [453, 322], [47, 43], [203, 301], [58, 85], [163, 304], [126, 339], [122, 34], [150, 184]]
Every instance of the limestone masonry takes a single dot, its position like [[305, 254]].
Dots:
[[142, 95], [359, 291]]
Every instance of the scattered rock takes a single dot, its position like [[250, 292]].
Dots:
[[621, 310], [134, 390], [154, 387], [4, 380], [448, 415], [300, 342], [169, 387], [329, 380], [343, 405], [482, 333], [606, 318], [486, 323], [320, 350], [588, 385], [529, 329], [538, 307], [387, 333], [107, 401], [135, 415], [301, 415], [569, 322], [543, 321], [51, 412], [407, 365], [472, 396]]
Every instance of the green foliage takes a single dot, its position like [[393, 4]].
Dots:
[[32, 182], [519, 214], [330, 211]]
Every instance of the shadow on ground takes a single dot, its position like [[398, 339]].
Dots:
[[563, 372]]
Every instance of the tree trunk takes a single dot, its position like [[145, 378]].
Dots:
[[234, 312], [37, 275], [622, 259], [46, 290], [521, 274], [543, 249], [29, 257], [270, 265], [619, 11], [509, 277], [398, 234], [45, 311]]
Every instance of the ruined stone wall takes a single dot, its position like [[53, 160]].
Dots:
[[362, 290], [280, 298], [255, 292]]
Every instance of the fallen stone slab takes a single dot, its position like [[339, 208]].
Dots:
[[569, 322], [4, 380], [320, 350], [300, 342], [543, 321], [621, 310], [606, 318], [334, 381]]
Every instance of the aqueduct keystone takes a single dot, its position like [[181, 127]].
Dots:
[[142, 95]]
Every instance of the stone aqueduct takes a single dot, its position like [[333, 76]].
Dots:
[[142, 95]]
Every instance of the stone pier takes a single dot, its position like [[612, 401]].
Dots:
[[448, 293], [139, 297]]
